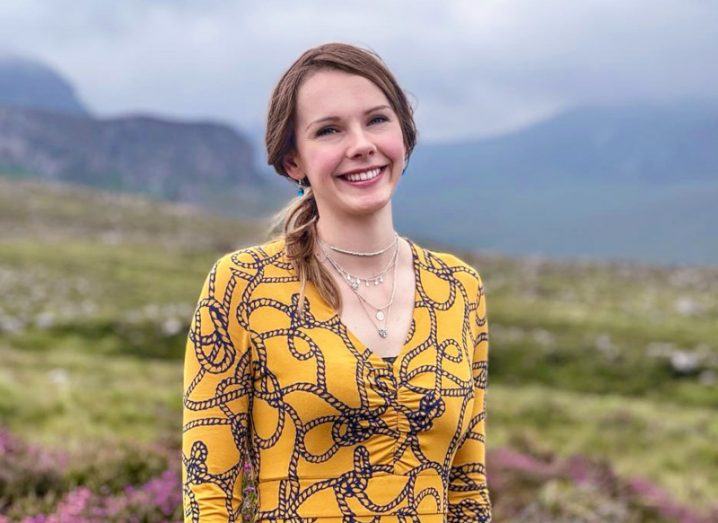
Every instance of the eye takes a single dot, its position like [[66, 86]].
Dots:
[[321, 132]]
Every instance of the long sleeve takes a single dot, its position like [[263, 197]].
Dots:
[[216, 400], [468, 490]]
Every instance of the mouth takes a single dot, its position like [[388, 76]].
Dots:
[[364, 179]]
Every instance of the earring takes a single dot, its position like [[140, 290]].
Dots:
[[300, 190]]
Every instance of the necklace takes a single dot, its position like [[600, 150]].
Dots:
[[379, 314], [379, 310], [383, 332], [355, 281], [356, 253]]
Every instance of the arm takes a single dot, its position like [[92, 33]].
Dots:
[[468, 491], [216, 390]]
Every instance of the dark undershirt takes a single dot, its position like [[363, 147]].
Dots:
[[390, 359]]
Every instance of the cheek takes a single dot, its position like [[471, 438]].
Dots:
[[323, 162], [328, 164], [392, 145]]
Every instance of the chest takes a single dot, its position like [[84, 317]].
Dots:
[[320, 380], [364, 320], [432, 343]]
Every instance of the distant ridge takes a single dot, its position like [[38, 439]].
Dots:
[[637, 181], [25, 82], [202, 163], [47, 133]]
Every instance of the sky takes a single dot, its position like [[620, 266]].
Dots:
[[472, 69]]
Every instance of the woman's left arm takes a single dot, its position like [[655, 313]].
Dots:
[[468, 490]]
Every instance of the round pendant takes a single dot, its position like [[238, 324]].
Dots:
[[379, 315]]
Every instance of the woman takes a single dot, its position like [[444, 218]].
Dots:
[[345, 364]]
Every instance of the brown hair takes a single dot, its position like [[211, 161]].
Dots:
[[298, 219]]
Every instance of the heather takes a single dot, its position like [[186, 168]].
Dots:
[[524, 486]]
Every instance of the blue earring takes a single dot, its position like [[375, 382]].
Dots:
[[300, 190]]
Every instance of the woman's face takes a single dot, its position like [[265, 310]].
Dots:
[[364, 134]]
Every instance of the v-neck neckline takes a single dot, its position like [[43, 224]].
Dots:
[[358, 343]]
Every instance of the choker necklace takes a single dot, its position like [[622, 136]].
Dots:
[[356, 253], [354, 280]]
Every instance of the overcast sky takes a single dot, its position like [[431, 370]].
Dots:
[[472, 68]]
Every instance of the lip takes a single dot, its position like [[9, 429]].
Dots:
[[365, 183], [362, 169]]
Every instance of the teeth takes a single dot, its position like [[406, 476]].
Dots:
[[366, 175]]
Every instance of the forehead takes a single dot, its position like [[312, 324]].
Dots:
[[336, 93]]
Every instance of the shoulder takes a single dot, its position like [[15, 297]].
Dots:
[[453, 262], [250, 257], [237, 268]]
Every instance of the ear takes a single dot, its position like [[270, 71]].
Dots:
[[292, 167]]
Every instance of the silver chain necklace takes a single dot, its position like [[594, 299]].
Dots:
[[379, 314], [357, 253], [354, 280], [383, 332]]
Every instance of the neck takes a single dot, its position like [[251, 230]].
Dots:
[[369, 233]]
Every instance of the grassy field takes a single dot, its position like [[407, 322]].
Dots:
[[614, 362]]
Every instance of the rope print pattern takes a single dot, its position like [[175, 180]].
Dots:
[[337, 433]]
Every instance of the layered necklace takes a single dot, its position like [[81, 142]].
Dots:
[[354, 282]]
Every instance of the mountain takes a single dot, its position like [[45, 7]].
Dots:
[[203, 163], [632, 181], [655, 143], [47, 133], [30, 83]]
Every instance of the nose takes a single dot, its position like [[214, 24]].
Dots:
[[360, 143]]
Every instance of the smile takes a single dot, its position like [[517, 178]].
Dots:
[[364, 178]]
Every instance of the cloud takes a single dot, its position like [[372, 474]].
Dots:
[[473, 68]]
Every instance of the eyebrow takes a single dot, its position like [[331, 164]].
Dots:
[[337, 118]]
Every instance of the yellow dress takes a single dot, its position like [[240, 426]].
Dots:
[[338, 434]]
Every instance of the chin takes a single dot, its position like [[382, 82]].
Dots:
[[370, 207]]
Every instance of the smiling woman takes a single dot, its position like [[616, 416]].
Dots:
[[344, 363]]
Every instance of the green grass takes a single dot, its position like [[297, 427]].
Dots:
[[67, 397], [672, 445]]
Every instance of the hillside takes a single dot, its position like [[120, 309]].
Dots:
[[634, 182], [203, 163], [612, 367]]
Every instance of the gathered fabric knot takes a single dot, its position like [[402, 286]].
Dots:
[[355, 427], [431, 406]]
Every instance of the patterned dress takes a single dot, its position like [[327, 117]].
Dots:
[[335, 432]]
